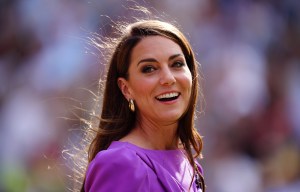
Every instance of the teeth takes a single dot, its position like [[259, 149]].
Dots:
[[167, 95]]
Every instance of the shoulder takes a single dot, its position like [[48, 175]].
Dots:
[[111, 168], [115, 158]]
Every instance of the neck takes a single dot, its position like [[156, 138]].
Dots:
[[152, 135]]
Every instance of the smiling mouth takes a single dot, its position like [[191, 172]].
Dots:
[[168, 96]]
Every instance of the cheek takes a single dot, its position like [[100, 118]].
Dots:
[[187, 81], [142, 88], [188, 87]]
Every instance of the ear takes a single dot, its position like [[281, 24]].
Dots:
[[124, 87]]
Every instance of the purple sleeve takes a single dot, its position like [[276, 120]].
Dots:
[[116, 170]]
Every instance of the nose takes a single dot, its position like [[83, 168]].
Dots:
[[167, 77]]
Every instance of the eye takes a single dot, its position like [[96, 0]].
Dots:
[[178, 64], [148, 69]]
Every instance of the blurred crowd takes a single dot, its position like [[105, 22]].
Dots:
[[249, 52]]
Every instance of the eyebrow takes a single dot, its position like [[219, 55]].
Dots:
[[154, 60]]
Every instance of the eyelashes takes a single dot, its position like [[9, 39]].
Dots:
[[148, 69], [151, 68], [178, 64]]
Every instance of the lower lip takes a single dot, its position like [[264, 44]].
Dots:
[[169, 102]]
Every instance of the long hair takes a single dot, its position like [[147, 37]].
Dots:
[[116, 119]]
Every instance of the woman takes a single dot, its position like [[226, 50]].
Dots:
[[146, 133]]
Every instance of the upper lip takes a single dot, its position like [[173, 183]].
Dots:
[[168, 94]]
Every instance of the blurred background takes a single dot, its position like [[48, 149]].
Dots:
[[249, 52]]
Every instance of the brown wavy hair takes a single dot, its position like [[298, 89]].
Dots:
[[116, 119]]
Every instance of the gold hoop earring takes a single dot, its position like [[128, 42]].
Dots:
[[131, 105]]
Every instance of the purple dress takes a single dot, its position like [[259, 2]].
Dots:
[[128, 168]]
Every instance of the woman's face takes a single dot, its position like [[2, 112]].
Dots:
[[159, 80]]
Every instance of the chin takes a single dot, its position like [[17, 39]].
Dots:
[[170, 117]]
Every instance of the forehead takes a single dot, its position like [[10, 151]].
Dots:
[[155, 46]]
